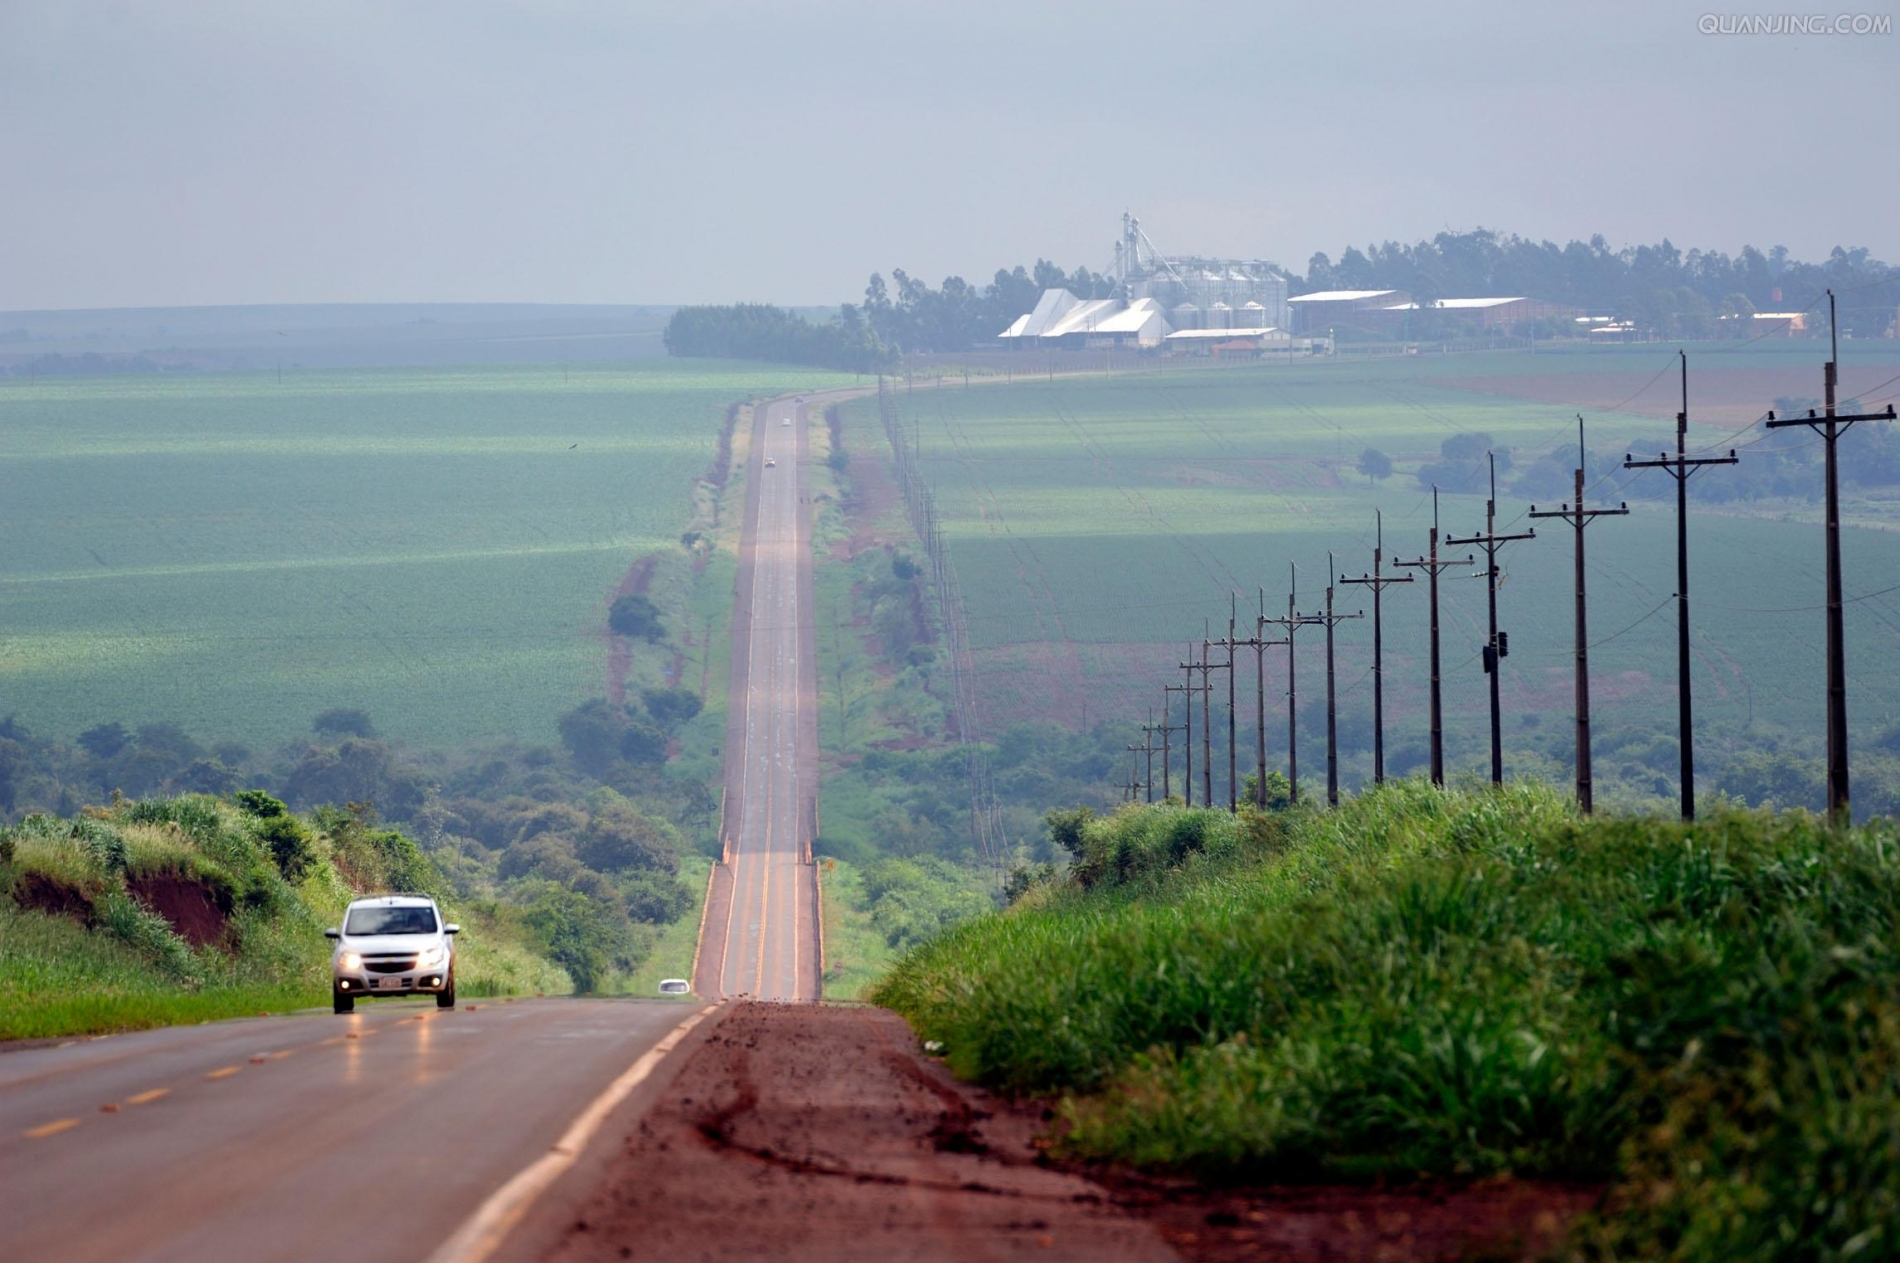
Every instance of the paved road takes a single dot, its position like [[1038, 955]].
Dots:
[[284, 1138], [762, 927]]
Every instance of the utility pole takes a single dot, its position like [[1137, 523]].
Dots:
[[1167, 734], [1377, 581], [1331, 620], [1230, 642], [1147, 750], [1580, 517], [1830, 427], [1433, 567], [1189, 690], [1293, 621], [1499, 644], [1682, 467], [1206, 666], [1260, 644], [1233, 780]]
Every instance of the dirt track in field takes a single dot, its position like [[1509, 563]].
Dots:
[[807, 1132]]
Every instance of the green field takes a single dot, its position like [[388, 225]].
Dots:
[[236, 554], [1097, 522]]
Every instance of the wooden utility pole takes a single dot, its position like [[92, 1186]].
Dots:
[[1498, 644], [1167, 735], [1433, 567], [1332, 620], [1830, 426], [1188, 691], [1378, 581], [1293, 621], [1580, 517], [1682, 467]]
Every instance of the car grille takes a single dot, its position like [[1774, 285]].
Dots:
[[390, 965]]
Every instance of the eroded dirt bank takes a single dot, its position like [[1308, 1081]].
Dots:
[[807, 1132]]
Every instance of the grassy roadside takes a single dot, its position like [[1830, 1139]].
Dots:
[[1706, 1019], [166, 911], [856, 955], [672, 955]]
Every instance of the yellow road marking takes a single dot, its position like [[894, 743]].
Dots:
[[224, 1073], [146, 1098], [484, 1231], [50, 1129]]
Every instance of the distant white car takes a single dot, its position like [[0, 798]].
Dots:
[[786, 421], [770, 463], [675, 986], [392, 945]]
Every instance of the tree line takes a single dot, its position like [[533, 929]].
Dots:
[[1658, 288]]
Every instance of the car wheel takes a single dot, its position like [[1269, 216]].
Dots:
[[341, 1003], [445, 998]]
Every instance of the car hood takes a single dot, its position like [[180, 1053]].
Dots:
[[377, 944]]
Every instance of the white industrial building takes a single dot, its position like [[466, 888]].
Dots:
[[1182, 303]]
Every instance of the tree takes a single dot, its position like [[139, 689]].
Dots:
[[1375, 464], [1066, 830], [671, 707], [636, 617], [102, 741], [343, 721]]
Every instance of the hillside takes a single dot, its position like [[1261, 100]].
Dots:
[[1699, 1024], [154, 912]]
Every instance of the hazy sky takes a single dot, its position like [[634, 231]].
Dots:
[[157, 153]]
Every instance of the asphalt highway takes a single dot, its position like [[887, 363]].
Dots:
[[769, 941], [364, 1138]]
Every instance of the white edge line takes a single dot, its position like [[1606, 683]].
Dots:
[[482, 1232]]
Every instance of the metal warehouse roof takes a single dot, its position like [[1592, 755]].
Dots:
[[1222, 335], [1341, 295], [1457, 304]]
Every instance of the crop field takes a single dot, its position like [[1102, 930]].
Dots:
[[236, 554], [1099, 524]]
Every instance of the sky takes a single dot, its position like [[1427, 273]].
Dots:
[[171, 153]]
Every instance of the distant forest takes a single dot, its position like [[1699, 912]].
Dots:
[[1657, 287]]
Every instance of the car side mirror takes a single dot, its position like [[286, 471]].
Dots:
[[333, 934], [451, 928]]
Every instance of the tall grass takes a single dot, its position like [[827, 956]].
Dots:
[[1707, 1017]]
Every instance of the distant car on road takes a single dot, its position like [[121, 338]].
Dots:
[[786, 421], [770, 463], [392, 945], [675, 986]]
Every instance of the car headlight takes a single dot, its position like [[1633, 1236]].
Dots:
[[433, 957], [350, 960]]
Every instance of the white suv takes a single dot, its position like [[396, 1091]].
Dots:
[[393, 945]]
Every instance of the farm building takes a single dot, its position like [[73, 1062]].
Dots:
[[1359, 310], [1060, 319], [1490, 313]]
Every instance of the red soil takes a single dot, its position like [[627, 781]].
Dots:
[[819, 1132], [192, 910], [37, 892]]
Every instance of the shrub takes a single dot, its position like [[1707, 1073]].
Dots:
[[636, 617]]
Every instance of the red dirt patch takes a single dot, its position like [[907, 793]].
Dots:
[[39, 892], [195, 912], [818, 1132], [813, 1132], [871, 494]]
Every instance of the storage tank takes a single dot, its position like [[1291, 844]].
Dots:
[[1220, 316], [1185, 316], [1253, 316]]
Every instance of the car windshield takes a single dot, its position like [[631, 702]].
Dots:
[[399, 920]]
